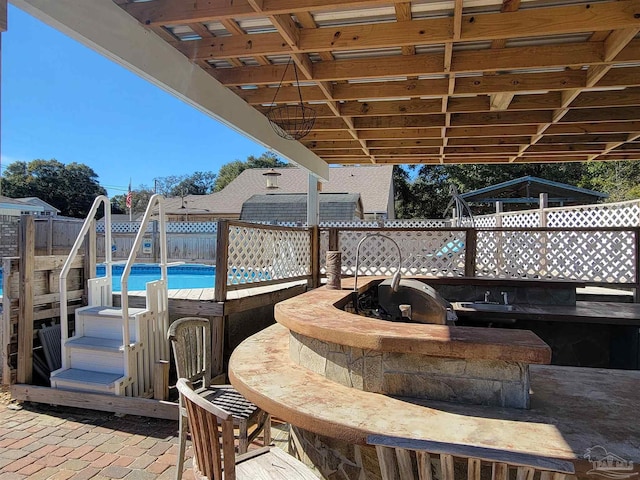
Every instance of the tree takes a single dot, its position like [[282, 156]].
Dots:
[[229, 171], [139, 201], [70, 188], [198, 183]]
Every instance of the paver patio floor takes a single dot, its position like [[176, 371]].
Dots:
[[47, 442]]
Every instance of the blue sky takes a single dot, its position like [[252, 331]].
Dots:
[[62, 100]]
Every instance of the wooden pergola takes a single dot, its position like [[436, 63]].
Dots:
[[427, 82], [392, 81]]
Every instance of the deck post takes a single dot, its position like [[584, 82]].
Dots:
[[334, 242], [315, 256], [636, 289], [26, 248], [470, 253], [222, 256]]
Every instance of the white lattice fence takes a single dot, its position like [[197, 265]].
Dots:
[[624, 214], [439, 252], [602, 256], [258, 254]]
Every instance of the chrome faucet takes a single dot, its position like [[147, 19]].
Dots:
[[505, 297], [487, 294], [395, 281]]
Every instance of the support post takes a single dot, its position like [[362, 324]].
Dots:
[[26, 247], [470, 253], [313, 201], [315, 256], [544, 203], [222, 255], [334, 242], [499, 211], [636, 290], [50, 236], [89, 262], [161, 380]]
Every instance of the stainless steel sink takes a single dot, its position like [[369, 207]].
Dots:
[[485, 307]]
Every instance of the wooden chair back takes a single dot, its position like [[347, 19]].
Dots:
[[211, 436], [409, 459], [191, 341]]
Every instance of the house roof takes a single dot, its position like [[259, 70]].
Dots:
[[39, 202], [373, 183], [292, 207], [18, 204], [528, 189]]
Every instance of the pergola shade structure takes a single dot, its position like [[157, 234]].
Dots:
[[432, 82]]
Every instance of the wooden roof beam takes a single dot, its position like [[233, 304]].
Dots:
[[614, 44], [510, 59], [535, 22], [178, 11]]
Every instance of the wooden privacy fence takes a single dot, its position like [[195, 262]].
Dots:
[[31, 299]]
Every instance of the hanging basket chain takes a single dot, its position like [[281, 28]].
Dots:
[[292, 122]]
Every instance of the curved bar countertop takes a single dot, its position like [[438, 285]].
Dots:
[[572, 409], [317, 314]]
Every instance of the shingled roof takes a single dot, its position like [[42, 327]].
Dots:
[[292, 207], [374, 184]]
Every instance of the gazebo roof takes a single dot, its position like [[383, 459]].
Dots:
[[528, 189], [427, 82]]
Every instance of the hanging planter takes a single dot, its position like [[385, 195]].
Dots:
[[292, 122]]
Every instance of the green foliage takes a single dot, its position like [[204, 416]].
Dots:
[[70, 188], [229, 171], [427, 195], [198, 183], [621, 180], [139, 200]]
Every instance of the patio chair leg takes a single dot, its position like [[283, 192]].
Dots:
[[182, 443], [266, 432], [243, 437]]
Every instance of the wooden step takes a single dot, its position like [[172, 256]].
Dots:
[[85, 380]]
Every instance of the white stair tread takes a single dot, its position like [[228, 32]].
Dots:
[[88, 376], [96, 343], [109, 311]]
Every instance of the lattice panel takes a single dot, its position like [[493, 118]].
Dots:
[[262, 254], [528, 219], [192, 227], [485, 221], [418, 223], [602, 256], [350, 224], [625, 214], [423, 252]]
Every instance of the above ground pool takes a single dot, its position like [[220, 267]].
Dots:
[[180, 276]]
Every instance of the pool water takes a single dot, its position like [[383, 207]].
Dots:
[[181, 276]]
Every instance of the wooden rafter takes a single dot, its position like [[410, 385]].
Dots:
[[395, 81]]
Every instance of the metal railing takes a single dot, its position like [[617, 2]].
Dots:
[[88, 224]]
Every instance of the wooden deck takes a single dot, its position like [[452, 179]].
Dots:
[[200, 301]]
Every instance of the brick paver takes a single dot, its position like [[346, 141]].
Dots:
[[41, 442]]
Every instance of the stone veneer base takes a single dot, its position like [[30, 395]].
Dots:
[[472, 381]]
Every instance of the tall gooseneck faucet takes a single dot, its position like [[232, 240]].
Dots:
[[395, 281]]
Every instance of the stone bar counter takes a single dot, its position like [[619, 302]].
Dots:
[[337, 377]]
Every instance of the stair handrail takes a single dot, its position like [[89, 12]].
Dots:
[[64, 322], [124, 279]]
